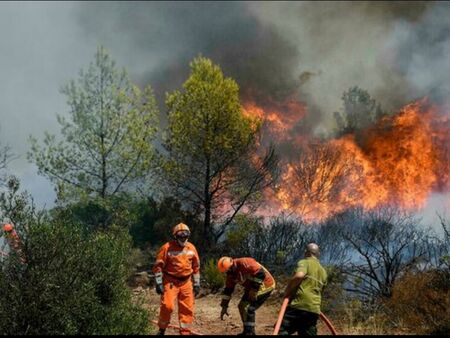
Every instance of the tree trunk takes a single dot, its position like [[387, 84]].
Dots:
[[207, 205]]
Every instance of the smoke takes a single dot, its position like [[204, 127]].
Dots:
[[421, 52], [306, 51], [42, 48], [345, 44], [172, 34], [310, 51]]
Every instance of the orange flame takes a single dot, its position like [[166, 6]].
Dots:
[[398, 161], [278, 124]]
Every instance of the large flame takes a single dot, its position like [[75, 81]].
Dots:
[[279, 118], [398, 161]]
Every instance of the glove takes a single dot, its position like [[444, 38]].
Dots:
[[159, 289], [196, 283], [224, 312], [159, 283], [196, 289]]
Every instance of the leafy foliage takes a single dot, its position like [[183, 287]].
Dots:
[[213, 277], [65, 278], [210, 161], [106, 143], [72, 282], [96, 213], [154, 221], [16, 206]]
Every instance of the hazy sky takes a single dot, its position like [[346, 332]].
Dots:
[[398, 51]]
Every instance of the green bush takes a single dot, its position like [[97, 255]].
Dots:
[[96, 213], [215, 280], [73, 282]]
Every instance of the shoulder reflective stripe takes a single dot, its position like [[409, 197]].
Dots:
[[183, 252]]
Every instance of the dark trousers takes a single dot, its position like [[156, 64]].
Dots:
[[247, 310], [302, 322]]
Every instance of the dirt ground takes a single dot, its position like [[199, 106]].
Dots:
[[207, 314]]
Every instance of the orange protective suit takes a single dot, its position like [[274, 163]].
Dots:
[[177, 265], [13, 240], [258, 284]]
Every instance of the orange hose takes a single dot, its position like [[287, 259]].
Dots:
[[178, 328], [328, 323], [283, 310], [280, 316]]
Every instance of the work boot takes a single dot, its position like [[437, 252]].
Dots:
[[161, 332], [247, 332]]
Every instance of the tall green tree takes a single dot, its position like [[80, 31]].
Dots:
[[211, 159], [106, 142]]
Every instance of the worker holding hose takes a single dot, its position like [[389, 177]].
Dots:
[[258, 284], [304, 292]]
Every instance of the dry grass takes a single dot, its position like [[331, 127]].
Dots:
[[420, 305]]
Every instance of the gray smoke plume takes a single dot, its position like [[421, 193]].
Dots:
[[255, 54], [310, 51], [422, 52]]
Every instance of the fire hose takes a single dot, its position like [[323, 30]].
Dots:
[[283, 310], [277, 326], [194, 333]]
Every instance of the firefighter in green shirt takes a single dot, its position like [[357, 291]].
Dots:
[[304, 291]]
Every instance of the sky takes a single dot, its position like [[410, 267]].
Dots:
[[397, 51]]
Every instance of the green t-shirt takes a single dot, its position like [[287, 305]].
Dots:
[[309, 294]]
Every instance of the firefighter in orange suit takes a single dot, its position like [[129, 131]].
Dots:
[[177, 262], [13, 240], [258, 284]]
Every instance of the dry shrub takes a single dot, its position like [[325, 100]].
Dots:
[[421, 302]]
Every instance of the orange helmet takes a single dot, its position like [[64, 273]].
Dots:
[[8, 227], [224, 264], [180, 227]]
